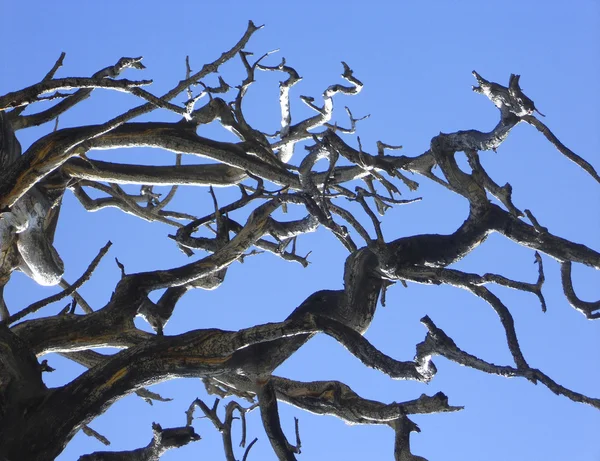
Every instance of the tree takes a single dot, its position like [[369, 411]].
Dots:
[[344, 198]]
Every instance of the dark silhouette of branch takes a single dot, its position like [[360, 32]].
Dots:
[[163, 440], [36, 423]]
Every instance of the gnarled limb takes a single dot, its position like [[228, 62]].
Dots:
[[162, 440], [225, 426], [242, 362], [437, 342]]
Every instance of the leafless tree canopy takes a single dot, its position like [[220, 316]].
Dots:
[[272, 171]]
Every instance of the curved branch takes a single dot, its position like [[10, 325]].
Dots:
[[32, 93], [585, 307], [71, 100]]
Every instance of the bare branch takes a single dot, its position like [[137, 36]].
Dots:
[[163, 440], [87, 430], [438, 342], [32, 94], [586, 308], [66, 292], [36, 422], [49, 114], [586, 166]]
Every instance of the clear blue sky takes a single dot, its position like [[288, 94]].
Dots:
[[415, 59]]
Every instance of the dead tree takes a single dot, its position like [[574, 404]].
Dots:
[[272, 172]]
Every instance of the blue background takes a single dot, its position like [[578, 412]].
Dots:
[[415, 59]]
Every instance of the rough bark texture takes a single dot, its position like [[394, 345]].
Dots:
[[36, 423]]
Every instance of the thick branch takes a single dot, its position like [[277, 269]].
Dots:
[[163, 440]]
